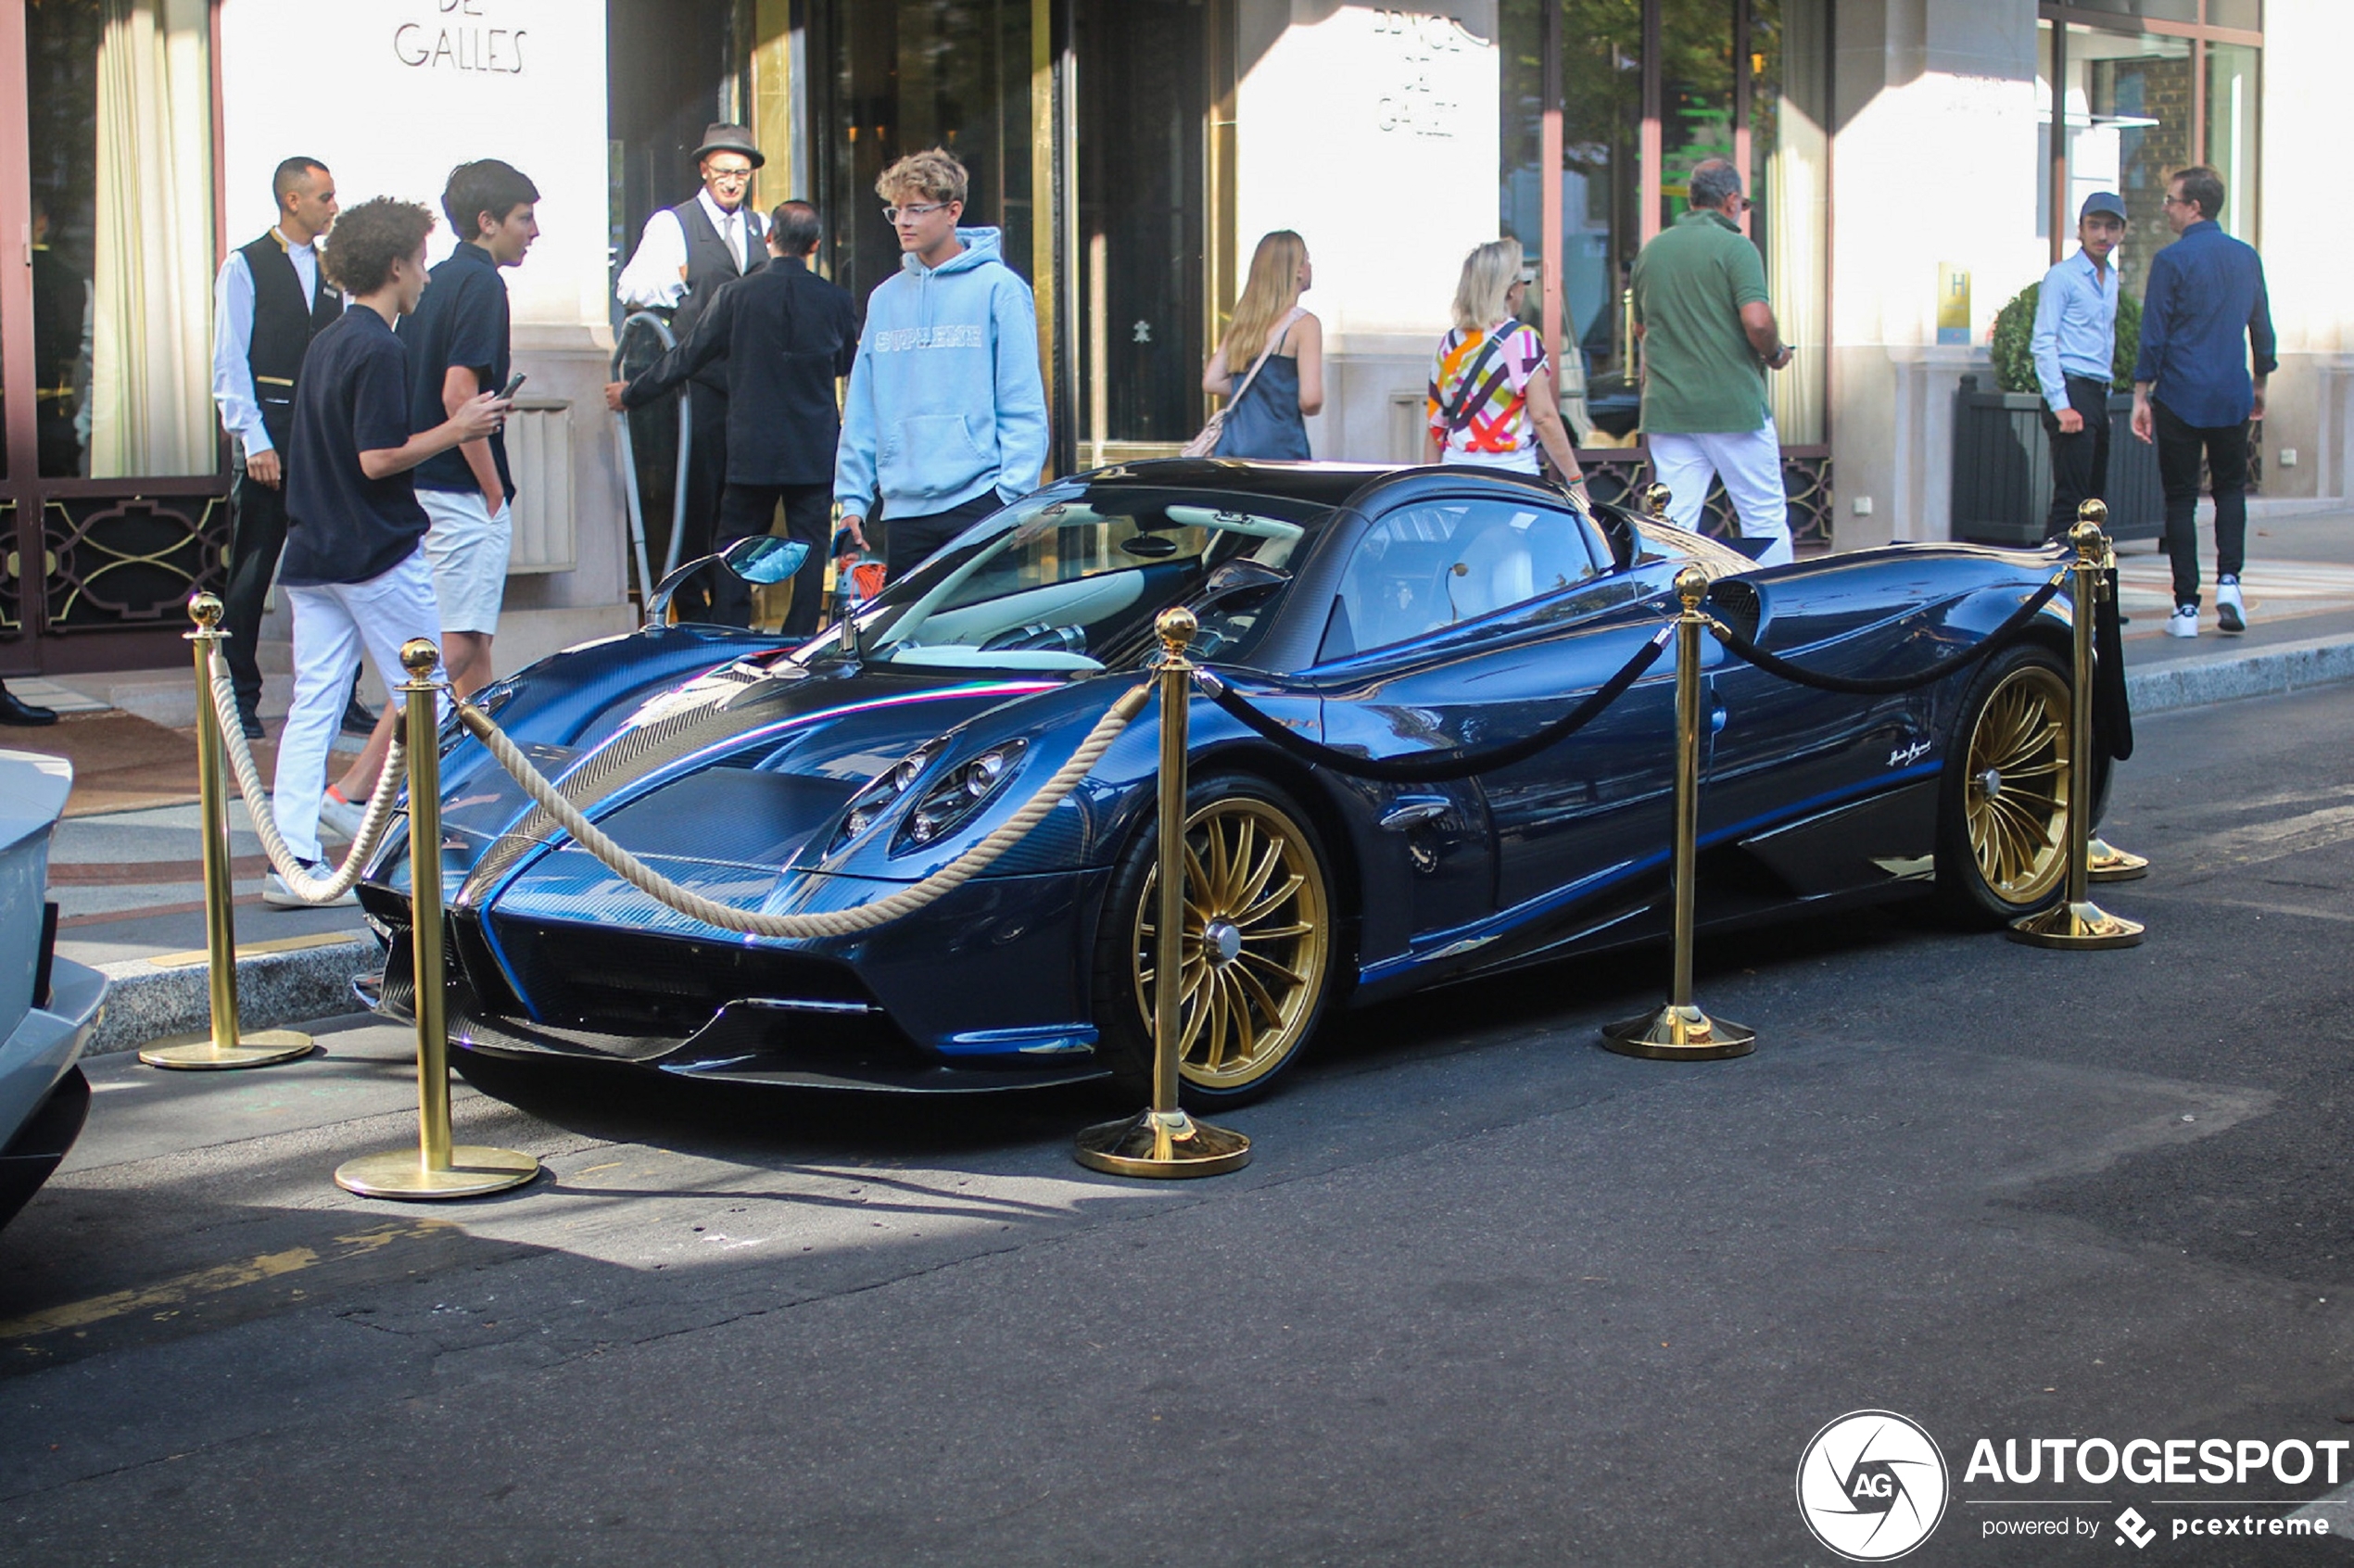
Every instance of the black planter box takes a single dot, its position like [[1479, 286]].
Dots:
[[2003, 470]]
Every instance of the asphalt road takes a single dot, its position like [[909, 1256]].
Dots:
[[1486, 1295]]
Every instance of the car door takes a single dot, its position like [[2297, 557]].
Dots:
[[1467, 622]]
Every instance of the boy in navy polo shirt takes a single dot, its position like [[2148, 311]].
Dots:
[[457, 343], [352, 570]]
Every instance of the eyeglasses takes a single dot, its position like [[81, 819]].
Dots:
[[728, 176], [2171, 199], [893, 214]]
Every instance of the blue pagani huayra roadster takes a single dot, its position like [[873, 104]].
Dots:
[[1383, 613]]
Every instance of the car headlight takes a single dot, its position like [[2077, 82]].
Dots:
[[948, 805], [882, 792]]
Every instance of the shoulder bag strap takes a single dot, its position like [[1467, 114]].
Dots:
[[1472, 376], [1264, 355]]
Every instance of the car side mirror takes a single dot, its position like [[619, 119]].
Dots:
[[763, 558]]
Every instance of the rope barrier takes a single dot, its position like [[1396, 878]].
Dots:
[[836, 923], [1435, 767], [1884, 686], [372, 822]]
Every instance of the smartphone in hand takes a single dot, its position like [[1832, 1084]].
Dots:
[[508, 391]]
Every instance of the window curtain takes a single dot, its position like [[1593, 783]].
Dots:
[[1798, 186], [150, 405]]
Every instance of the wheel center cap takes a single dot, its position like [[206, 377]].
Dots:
[[1223, 941], [1991, 783]]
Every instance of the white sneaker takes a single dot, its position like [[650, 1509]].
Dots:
[[340, 815], [2231, 615], [2183, 622], [277, 896]]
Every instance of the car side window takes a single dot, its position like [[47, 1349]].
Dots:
[[1431, 564]]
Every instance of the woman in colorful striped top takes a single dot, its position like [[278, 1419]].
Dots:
[[1492, 391]]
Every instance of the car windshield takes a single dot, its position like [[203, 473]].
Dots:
[[1071, 579]]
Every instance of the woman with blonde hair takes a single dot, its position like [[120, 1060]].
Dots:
[[1491, 392], [1271, 367]]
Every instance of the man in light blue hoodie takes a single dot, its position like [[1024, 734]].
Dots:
[[946, 420]]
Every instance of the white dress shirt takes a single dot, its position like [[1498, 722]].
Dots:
[[655, 275], [232, 340]]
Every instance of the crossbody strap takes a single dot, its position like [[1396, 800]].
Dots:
[[1264, 355], [1472, 376]]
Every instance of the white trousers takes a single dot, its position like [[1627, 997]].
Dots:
[[331, 624], [1750, 465]]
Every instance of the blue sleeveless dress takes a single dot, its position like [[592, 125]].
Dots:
[[1266, 420]]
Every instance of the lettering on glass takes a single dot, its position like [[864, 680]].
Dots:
[[461, 39], [1416, 40]]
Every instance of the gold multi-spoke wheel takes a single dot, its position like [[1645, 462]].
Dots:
[[1256, 946], [2004, 845], [2017, 782]]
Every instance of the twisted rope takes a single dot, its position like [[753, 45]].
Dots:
[[837, 923], [302, 883]]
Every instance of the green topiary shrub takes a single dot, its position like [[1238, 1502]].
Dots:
[[2015, 325]]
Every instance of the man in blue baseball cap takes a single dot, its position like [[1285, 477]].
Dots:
[[2075, 346]]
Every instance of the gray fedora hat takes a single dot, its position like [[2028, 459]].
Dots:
[[719, 136]]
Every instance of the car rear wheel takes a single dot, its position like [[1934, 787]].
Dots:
[[2002, 807], [1257, 945]]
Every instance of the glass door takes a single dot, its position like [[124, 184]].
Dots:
[[114, 491]]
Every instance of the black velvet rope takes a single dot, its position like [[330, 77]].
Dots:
[[1430, 767], [2112, 712], [1883, 685]]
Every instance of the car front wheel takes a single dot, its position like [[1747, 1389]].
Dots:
[[1256, 949]]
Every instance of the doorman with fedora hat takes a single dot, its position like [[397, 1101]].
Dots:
[[683, 256]]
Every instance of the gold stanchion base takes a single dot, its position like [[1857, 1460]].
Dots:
[[1679, 1034], [199, 1053], [2076, 925], [2107, 863], [473, 1171], [1165, 1143]]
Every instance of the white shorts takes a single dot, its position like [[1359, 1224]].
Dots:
[[468, 548]]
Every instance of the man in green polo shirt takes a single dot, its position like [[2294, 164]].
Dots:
[[1709, 338]]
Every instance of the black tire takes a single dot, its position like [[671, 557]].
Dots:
[[2002, 801], [1248, 978]]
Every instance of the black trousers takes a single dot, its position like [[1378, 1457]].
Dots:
[[906, 540], [258, 534], [2180, 448], [707, 485], [745, 512], [2080, 461]]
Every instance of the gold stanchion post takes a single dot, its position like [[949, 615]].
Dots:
[[1680, 1031], [2076, 920], [1655, 498], [224, 1045], [436, 1168], [1162, 1140]]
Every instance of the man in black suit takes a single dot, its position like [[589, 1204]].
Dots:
[[783, 335], [686, 255]]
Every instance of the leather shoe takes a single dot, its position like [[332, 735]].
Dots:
[[250, 722], [357, 719], [15, 710]]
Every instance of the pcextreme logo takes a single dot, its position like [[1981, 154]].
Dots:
[[1872, 1485]]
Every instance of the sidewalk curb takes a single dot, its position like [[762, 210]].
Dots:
[[2287, 666], [145, 1003]]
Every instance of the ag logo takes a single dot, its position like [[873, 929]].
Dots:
[[1871, 1486]]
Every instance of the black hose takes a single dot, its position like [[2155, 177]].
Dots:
[[1883, 685], [1430, 767]]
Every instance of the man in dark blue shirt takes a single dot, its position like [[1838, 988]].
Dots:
[[352, 571], [2203, 310], [457, 343]]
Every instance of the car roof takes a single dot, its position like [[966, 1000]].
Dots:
[[1323, 484]]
